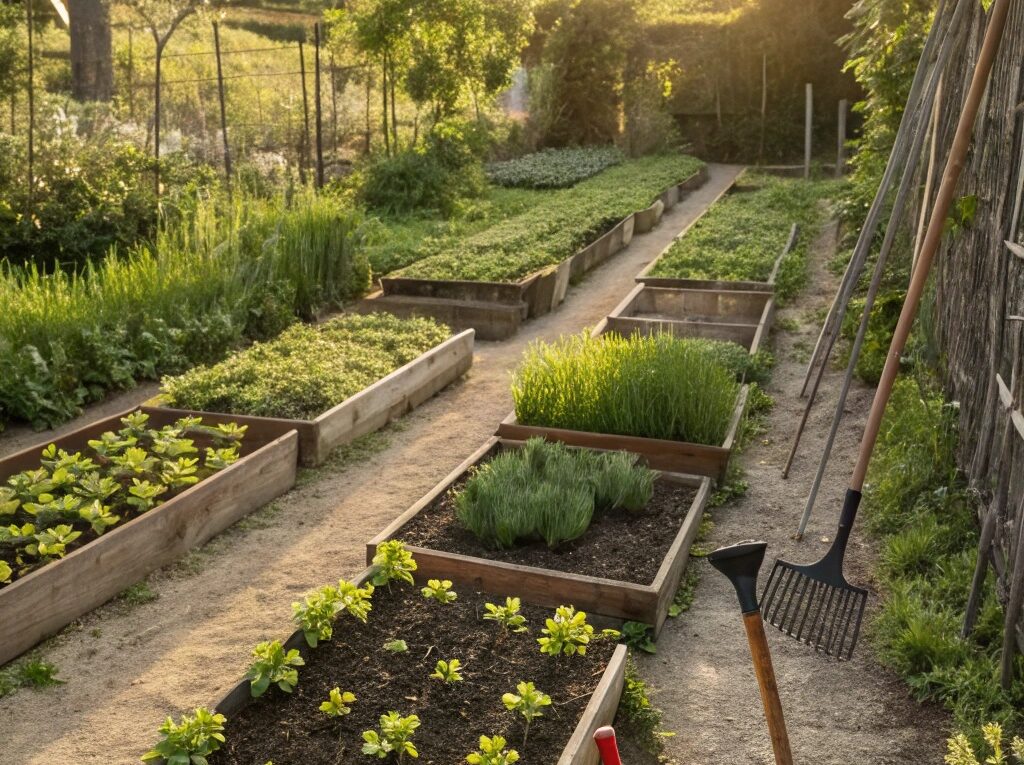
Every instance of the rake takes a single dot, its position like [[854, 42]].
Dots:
[[813, 602]]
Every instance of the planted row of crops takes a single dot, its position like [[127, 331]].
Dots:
[[740, 237], [554, 168], [557, 228]]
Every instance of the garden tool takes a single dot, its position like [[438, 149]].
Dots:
[[813, 602], [741, 563], [606, 745]]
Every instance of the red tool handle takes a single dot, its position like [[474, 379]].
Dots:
[[605, 739]]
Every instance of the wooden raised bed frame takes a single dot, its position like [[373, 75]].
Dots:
[[48, 599], [372, 408], [647, 603], [580, 749]]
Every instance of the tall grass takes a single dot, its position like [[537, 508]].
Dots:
[[654, 387], [220, 276]]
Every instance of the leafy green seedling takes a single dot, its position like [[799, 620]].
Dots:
[[181, 472], [527, 701], [52, 543], [493, 752], [9, 502], [396, 646], [355, 601], [94, 487], [144, 495], [338, 704], [316, 614], [637, 637], [448, 671], [38, 674], [98, 516], [439, 590], [507, 616], [273, 665], [134, 461], [5, 572], [393, 563], [395, 736], [218, 459], [193, 740], [569, 633]]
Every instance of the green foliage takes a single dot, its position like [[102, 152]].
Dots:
[[742, 236], [961, 752], [548, 491], [190, 742], [528, 701], [654, 387], [568, 633], [884, 315], [448, 671], [554, 168], [556, 229], [273, 665], [439, 590], [637, 636], [507, 616], [395, 735], [28, 673], [338, 703], [638, 717], [396, 646], [392, 562], [685, 595], [306, 370], [493, 752], [119, 476]]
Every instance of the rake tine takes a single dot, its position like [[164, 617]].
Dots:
[[782, 594], [826, 647], [808, 609], [860, 617], [797, 595], [814, 620], [769, 591], [824, 619], [846, 629]]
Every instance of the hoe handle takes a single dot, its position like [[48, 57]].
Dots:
[[769, 690]]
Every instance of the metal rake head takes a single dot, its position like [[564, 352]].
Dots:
[[816, 605]]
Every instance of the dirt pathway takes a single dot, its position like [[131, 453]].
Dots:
[[836, 712], [126, 668]]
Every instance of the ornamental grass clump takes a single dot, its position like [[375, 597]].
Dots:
[[548, 492], [651, 387]]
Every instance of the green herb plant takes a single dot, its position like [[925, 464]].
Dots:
[[273, 665], [392, 562], [554, 168], [395, 737], [527, 701], [637, 636], [448, 671], [492, 751], [191, 741], [961, 752], [507, 616], [439, 590], [316, 615], [568, 633], [338, 703], [396, 646]]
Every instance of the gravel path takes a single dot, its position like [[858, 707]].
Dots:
[[126, 668]]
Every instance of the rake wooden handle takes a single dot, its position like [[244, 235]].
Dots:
[[936, 225], [769, 689]]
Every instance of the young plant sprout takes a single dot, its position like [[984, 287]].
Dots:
[[316, 615], [493, 752], [5, 572], [189, 743], [393, 563], [396, 646], [507, 616], [527, 701], [395, 736], [355, 601], [98, 516], [569, 633], [52, 543], [448, 671], [439, 590], [273, 665], [338, 703]]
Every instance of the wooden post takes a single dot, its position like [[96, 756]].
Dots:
[[841, 140], [764, 105], [223, 109], [156, 122], [369, 95], [319, 111], [334, 107], [131, 76], [304, 159], [808, 128], [31, 105]]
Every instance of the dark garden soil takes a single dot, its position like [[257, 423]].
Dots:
[[619, 545], [290, 729]]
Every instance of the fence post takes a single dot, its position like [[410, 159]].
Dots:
[[31, 106], [317, 104], [808, 128], [304, 159], [131, 76], [841, 140], [764, 105], [223, 109], [334, 108]]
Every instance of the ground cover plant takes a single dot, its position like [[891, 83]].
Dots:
[[548, 491], [220, 278], [740, 237], [555, 230], [554, 168], [652, 387], [307, 369], [495, 695], [73, 498]]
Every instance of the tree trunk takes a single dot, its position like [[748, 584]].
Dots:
[[92, 69]]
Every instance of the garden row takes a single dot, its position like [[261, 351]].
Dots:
[[522, 266]]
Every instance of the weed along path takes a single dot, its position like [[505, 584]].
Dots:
[[836, 712], [184, 639]]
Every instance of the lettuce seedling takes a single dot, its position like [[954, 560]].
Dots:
[[527, 701], [396, 646], [111, 445], [315, 616], [62, 509], [197, 737], [393, 563], [181, 472], [52, 543], [144, 495], [338, 704], [135, 424], [448, 671], [493, 752], [134, 461], [395, 736], [218, 459], [355, 601], [94, 487], [58, 459], [636, 636], [98, 516], [15, 534], [507, 616], [439, 590], [273, 665], [9, 502], [568, 633], [5, 572]]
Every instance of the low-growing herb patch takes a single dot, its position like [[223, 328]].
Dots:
[[556, 229], [554, 168], [306, 370], [651, 387], [73, 498], [354, 699], [740, 238]]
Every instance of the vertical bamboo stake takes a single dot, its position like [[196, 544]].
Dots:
[[841, 139], [764, 105], [223, 108], [131, 76], [808, 128], [334, 107], [304, 161], [31, 105], [317, 105]]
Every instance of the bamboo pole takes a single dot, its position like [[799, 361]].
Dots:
[[808, 128], [223, 107], [841, 139], [31, 105], [319, 111], [304, 161]]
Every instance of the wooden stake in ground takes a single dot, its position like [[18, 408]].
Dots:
[[841, 138], [223, 109], [808, 128]]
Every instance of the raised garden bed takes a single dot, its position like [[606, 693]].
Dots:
[[370, 409], [625, 566], [290, 728], [45, 600]]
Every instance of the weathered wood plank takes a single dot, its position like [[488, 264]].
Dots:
[[581, 749]]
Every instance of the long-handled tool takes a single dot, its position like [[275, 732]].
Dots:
[[741, 563], [814, 602], [606, 745]]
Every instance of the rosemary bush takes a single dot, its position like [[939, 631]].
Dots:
[[653, 387]]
